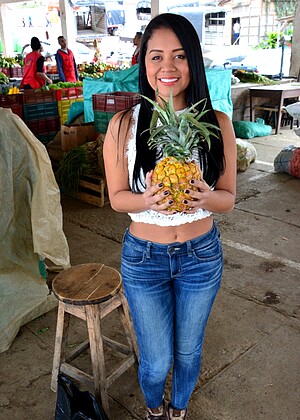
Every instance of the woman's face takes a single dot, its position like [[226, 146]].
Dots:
[[167, 67]]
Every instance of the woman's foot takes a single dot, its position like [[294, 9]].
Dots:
[[159, 413], [176, 414]]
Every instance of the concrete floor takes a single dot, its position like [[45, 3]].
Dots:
[[251, 363]]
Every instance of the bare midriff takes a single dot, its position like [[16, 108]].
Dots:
[[170, 234]]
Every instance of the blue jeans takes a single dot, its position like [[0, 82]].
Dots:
[[170, 290]]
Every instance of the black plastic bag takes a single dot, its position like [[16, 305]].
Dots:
[[73, 404]]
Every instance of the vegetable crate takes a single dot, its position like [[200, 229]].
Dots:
[[37, 111], [64, 106], [5, 70], [114, 101], [16, 72], [91, 189], [14, 102], [44, 126], [101, 120], [69, 93], [39, 97]]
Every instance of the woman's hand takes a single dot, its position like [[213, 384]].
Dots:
[[200, 196], [152, 196]]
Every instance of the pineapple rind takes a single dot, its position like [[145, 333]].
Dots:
[[175, 176]]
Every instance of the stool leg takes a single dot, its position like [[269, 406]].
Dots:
[[93, 319], [127, 324], [61, 339]]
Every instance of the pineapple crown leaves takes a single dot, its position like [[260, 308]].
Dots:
[[179, 133]]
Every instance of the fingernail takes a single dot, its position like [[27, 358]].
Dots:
[[166, 192], [192, 181], [161, 184], [171, 201], [187, 191], [185, 201]]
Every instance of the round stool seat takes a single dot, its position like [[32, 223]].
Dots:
[[86, 284]]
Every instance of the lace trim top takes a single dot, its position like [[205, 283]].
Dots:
[[150, 216]]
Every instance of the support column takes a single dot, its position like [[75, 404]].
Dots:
[[157, 7], [68, 23], [6, 33]]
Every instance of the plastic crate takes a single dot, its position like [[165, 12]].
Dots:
[[16, 72], [101, 120], [63, 108], [6, 101], [44, 125], [5, 70], [39, 97], [37, 111], [68, 93], [114, 101]]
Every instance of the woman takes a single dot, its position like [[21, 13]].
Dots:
[[171, 263], [34, 75]]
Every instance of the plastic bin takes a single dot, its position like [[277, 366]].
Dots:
[[114, 101], [39, 97], [44, 125], [69, 93], [37, 111], [14, 102], [101, 120]]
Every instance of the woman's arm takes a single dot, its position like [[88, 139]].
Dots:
[[222, 198], [122, 199]]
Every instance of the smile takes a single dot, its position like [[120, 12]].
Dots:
[[165, 80]]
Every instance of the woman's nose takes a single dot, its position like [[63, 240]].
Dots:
[[168, 65]]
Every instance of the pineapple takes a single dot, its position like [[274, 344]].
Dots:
[[177, 136]]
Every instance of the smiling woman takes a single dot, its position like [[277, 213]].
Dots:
[[171, 257]]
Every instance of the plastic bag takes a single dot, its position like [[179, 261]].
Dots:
[[248, 129], [73, 404], [288, 161], [246, 154]]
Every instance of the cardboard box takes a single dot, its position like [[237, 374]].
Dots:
[[74, 135]]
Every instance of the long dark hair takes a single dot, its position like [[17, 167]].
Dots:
[[212, 160]]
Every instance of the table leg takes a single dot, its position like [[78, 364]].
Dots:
[[252, 110], [280, 104]]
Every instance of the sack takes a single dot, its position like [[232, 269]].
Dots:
[[74, 135], [288, 161], [248, 129], [246, 154], [73, 404]]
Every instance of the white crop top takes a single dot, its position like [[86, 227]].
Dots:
[[150, 216]]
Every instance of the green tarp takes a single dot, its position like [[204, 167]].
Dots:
[[219, 85]]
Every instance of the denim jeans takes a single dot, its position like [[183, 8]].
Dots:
[[170, 290]]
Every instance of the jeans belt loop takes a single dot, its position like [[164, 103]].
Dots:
[[189, 248], [148, 250]]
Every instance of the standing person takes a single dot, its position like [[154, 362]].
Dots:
[[236, 32], [137, 43], [66, 65], [34, 74], [23, 22], [29, 22], [171, 261]]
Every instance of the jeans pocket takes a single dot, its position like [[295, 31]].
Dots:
[[132, 255], [209, 251]]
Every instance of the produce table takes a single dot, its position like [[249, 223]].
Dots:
[[277, 92]]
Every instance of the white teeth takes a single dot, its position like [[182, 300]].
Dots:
[[169, 80]]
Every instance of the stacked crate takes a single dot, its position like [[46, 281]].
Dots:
[[105, 105], [65, 98], [41, 114], [14, 102]]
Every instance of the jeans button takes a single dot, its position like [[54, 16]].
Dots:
[[171, 249]]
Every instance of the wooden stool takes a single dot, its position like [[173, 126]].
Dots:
[[90, 292]]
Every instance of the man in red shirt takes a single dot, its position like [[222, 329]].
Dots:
[[66, 65], [34, 75]]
